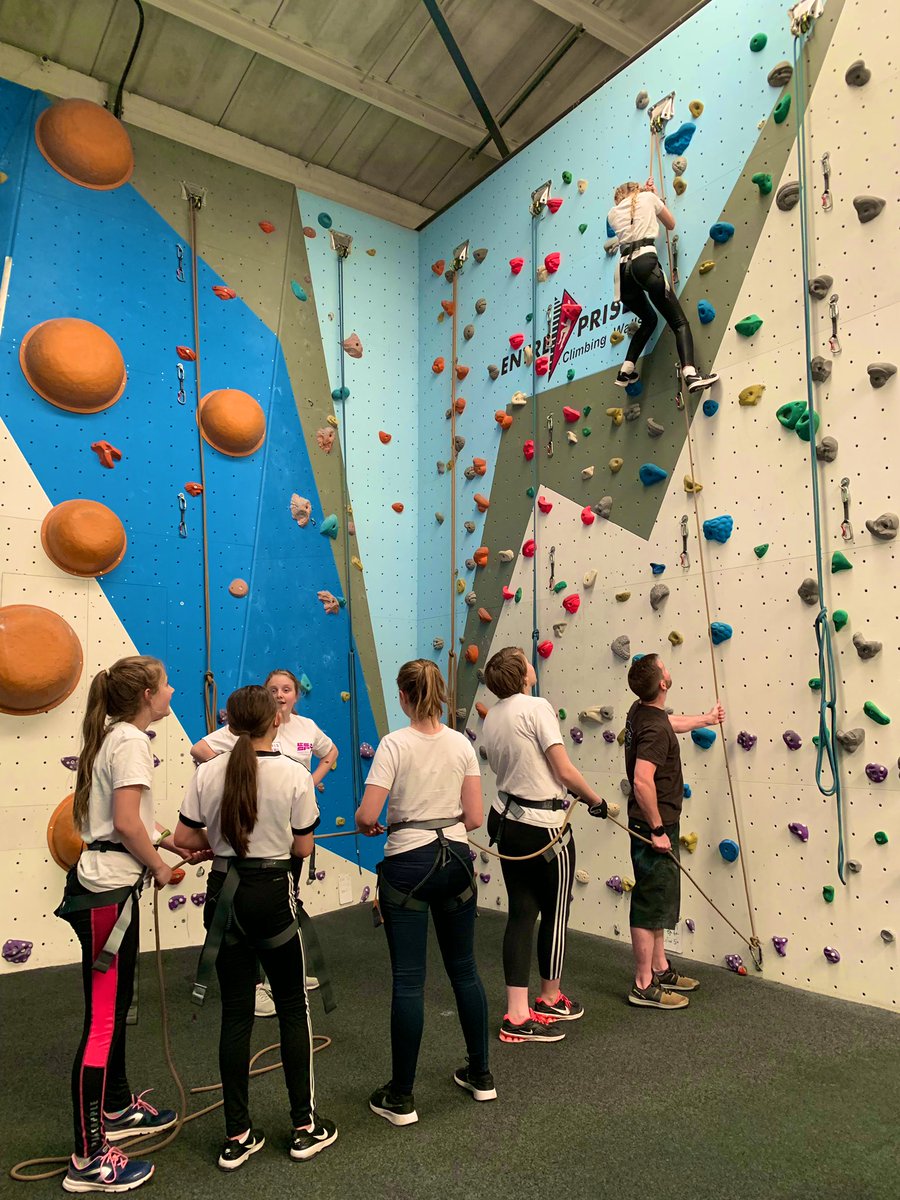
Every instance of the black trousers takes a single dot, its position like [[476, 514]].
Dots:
[[641, 280], [264, 905], [534, 888], [99, 1082]]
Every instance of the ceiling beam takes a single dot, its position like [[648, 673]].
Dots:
[[615, 33], [289, 52], [34, 72]]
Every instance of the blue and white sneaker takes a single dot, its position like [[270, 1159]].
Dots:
[[138, 1118], [108, 1171]]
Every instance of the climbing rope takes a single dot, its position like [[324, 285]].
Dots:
[[535, 627], [452, 660], [210, 692], [827, 741], [60, 1162]]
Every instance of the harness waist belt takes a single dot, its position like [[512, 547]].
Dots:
[[127, 896], [434, 823], [103, 845], [548, 805], [224, 864], [629, 247]]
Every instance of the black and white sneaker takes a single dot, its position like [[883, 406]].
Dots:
[[393, 1106], [537, 1028], [480, 1084], [698, 383], [235, 1153], [562, 1009], [624, 378], [306, 1143]]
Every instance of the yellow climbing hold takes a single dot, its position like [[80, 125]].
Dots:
[[615, 464], [357, 562], [332, 420], [460, 586], [689, 841], [617, 415], [371, 252], [623, 596], [676, 638], [345, 696], [679, 185], [751, 395], [616, 336], [627, 884], [695, 108], [706, 266], [691, 486]]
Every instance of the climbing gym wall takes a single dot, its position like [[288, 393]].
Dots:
[[591, 549], [107, 487]]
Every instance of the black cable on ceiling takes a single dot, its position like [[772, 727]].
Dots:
[[117, 104]]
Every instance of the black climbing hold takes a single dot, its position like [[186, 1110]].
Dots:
[[820, 369], [867, 208], [780, 74], [880, 373], [858, 74], [820, 286], [787, 196]]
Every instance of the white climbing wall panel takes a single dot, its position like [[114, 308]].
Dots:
[[759, 473]]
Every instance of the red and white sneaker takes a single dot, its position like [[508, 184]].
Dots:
[[563, 1009], [536, 1029]]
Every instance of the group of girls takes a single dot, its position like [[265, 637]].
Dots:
[[251, 809]]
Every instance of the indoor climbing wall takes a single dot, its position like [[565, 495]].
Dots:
[[606, 540]]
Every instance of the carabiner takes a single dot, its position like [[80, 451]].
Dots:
[[179, 269], [834, 344], [182, 513]]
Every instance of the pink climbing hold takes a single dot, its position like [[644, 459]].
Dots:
[[542, 364], [508, 593], [587, 515], [555, 203], [545, 649], [516, 265], [572, 603], [544, 504], [528, 450], [569, 311], [552, 261], [529, 548], [517, 340], [572, 415]]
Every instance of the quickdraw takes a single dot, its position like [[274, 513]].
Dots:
[[827, 204], [552, 582], [834, 342], [550, 435], [182, 515], [675, 275], [179, 268], [685, 558], [846, 527], [179, 371]]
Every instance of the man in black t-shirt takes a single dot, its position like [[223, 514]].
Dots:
[[653, 765]]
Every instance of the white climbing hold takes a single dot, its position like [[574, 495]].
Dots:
[[587, 472], [582, 876], [590, 578]]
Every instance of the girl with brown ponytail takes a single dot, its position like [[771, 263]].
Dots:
[[255, 808], [432, 776]]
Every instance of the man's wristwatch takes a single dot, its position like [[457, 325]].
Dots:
[[658, 831]]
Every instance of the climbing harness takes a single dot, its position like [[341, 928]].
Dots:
[[127, 896], [460, 256], [179, 263], [684, 557], [846, 527], [827, 204], [444, 850], [179, 372], [827, 746], [539, 198], [182, 515]]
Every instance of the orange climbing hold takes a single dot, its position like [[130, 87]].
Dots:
[[503, 419], [449, 307], [461, 373], [438, 267], [472, 654], [232, 422], [86, 144], [267, 226], [397, 506], [383, 437], [40, 660], [83, 537], [481, 556], [224, 293], [438, 365], [194, 489], [73, 364], [186, 354], [239, 588], [480, 465], [481, 709], [459, 404], [485, 616], [107, 453], [309, 231], [481, 502]]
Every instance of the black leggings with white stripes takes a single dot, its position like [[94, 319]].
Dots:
[[534, 888], [643, 277]]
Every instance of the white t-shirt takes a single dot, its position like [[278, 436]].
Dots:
[[123, 760], [286, 804], [299, 738], [646, 220], [424, 774], [515, 734]]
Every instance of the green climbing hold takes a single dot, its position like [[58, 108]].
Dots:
[[815, 740], [782, 108], [298, 291], [828, 893], [839, 618], [586, 411], [566, 178], [749, 325], [815, 684], [586, 432], [324, 220], [763, 181], [760, 551], [570, 374], [872, 710], [881, 837], [530, 493], [528, 318], [518, 595], [840, 562], [562, 711], [802, 427], [758, 42], [789, 414], [582, 228], [561, 586]]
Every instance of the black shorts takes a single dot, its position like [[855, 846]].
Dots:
[[656, 896]]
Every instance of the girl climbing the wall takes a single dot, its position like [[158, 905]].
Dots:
[[432, 775], [113, 809], [299, 738], [256, 808], [635, 219]]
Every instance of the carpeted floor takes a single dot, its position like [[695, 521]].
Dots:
[[755, 1091]]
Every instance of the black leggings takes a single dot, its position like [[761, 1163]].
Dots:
[[534, 887], [264, 905], [642, 277]]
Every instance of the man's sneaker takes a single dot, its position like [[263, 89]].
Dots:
[[235, 1153], [563, 1009], [311, 983], [656, 997], [624, 378], [536, 1029], [697, 383], [108, 1171], [139, 1117], [393, 1106], [674, 982], [306, 1143], [480, 1084], [265, 1005]]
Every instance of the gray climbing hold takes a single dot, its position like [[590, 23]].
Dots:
[[606, 712], [480, 674], [868, 207], [469, 472], [884, 527], [621, 647], [820, 369], [625, 787], [470, 566], [480, 305], [480, 254], [880, 373], [468, 332], [820, 286], [494, 371], [787, 196], [827, 449], [633, 412], [459, 441], [654, 428], [441, 466], [471, 600], [781, 74], [851, 739], [439, 517], [469, 526], [658, 594], [611, 246], [560, 628], [631, 328], [506, 555], [604, 508], [642, 99], [857, 74], [808, 591], [679, 164], [864, 648], [854, 865], [438, 643]]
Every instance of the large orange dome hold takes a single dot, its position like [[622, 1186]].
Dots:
[[232, 422], [63, 839], [74, 364], [85, 144], [83, 537], [40, 660]]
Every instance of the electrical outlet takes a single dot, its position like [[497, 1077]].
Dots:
[[345, 890]]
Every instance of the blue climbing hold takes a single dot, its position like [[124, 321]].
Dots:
[[610, 232], [678, 142], [703, 738], [635, 657], [729, 849], [305, 685], [634, 389], [721, 232], [687, 791], [329, 527], [657, 568], [710, 408], [650, 473], [705, 312], [720, 632], [718, 529], [341, 393], [325, 220], [298, 291]]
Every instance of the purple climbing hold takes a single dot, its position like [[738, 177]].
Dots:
[[735, 963], [577, 735], [780, 944], [320, 875], [690, 924], [609, 736], [472, 856], [876, 772], [746, 740], [17, 951], [176, 902], [366, 893], [831, 954], [222, 716], [198, 898], [792, 739], [151, 733], [798, 829], [615, 884], [484, 877], [366, 751], [156, 761], [471, 734], [70, 762]]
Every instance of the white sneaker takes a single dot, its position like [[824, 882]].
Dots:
[[265, 1005], [311, 983]]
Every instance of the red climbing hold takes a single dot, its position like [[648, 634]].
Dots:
[[508, 593], [544, 504], [587, 515], [545, 649], [528, 450], [107, 454], [267, 226], [503, 419], [517, 340], [571, 415], [437, 366], [555, 203], [542, 364], [438, 267], [516, 265], [569, 311], [383, 437], [186, 354], [308, 231], [397, 506], [224, 293], [552, 261], [461, 373], [529, 548], [194, 489], [572, 603], [449, 307]]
